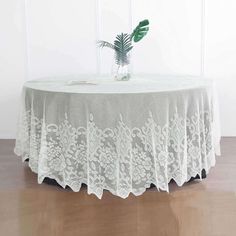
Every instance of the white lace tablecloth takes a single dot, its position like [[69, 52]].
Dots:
[[120, 136]]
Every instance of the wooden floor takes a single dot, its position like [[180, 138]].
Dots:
[[206, 208]]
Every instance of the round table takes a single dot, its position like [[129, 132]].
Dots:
[[120, 136]]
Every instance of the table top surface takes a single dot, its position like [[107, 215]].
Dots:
[[102, 84]]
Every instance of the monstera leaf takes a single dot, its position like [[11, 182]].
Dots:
[[122, 46], [140, 31]]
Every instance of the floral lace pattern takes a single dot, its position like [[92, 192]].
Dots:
[[122, 160]]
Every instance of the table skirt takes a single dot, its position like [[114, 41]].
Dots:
[[171, 136]]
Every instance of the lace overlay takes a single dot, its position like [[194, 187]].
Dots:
[[121, 159]]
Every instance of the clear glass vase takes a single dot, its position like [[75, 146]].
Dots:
[[121, 72]]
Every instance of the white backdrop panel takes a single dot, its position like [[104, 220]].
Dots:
[[61, 37], [173, 45], [220, 62], [12, 63]]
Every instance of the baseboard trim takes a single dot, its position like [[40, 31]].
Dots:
[[7, 137]]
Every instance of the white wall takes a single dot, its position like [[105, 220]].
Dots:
[[61, 35], [63, 40], [12, 63], [220, 62]]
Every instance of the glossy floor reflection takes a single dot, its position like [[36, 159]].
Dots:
[[206, 208]]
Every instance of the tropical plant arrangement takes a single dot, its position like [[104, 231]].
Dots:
[[122, 47]]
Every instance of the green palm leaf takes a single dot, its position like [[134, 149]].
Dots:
[[103, 44], [122, 46], [140, 31], [123, 42]]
